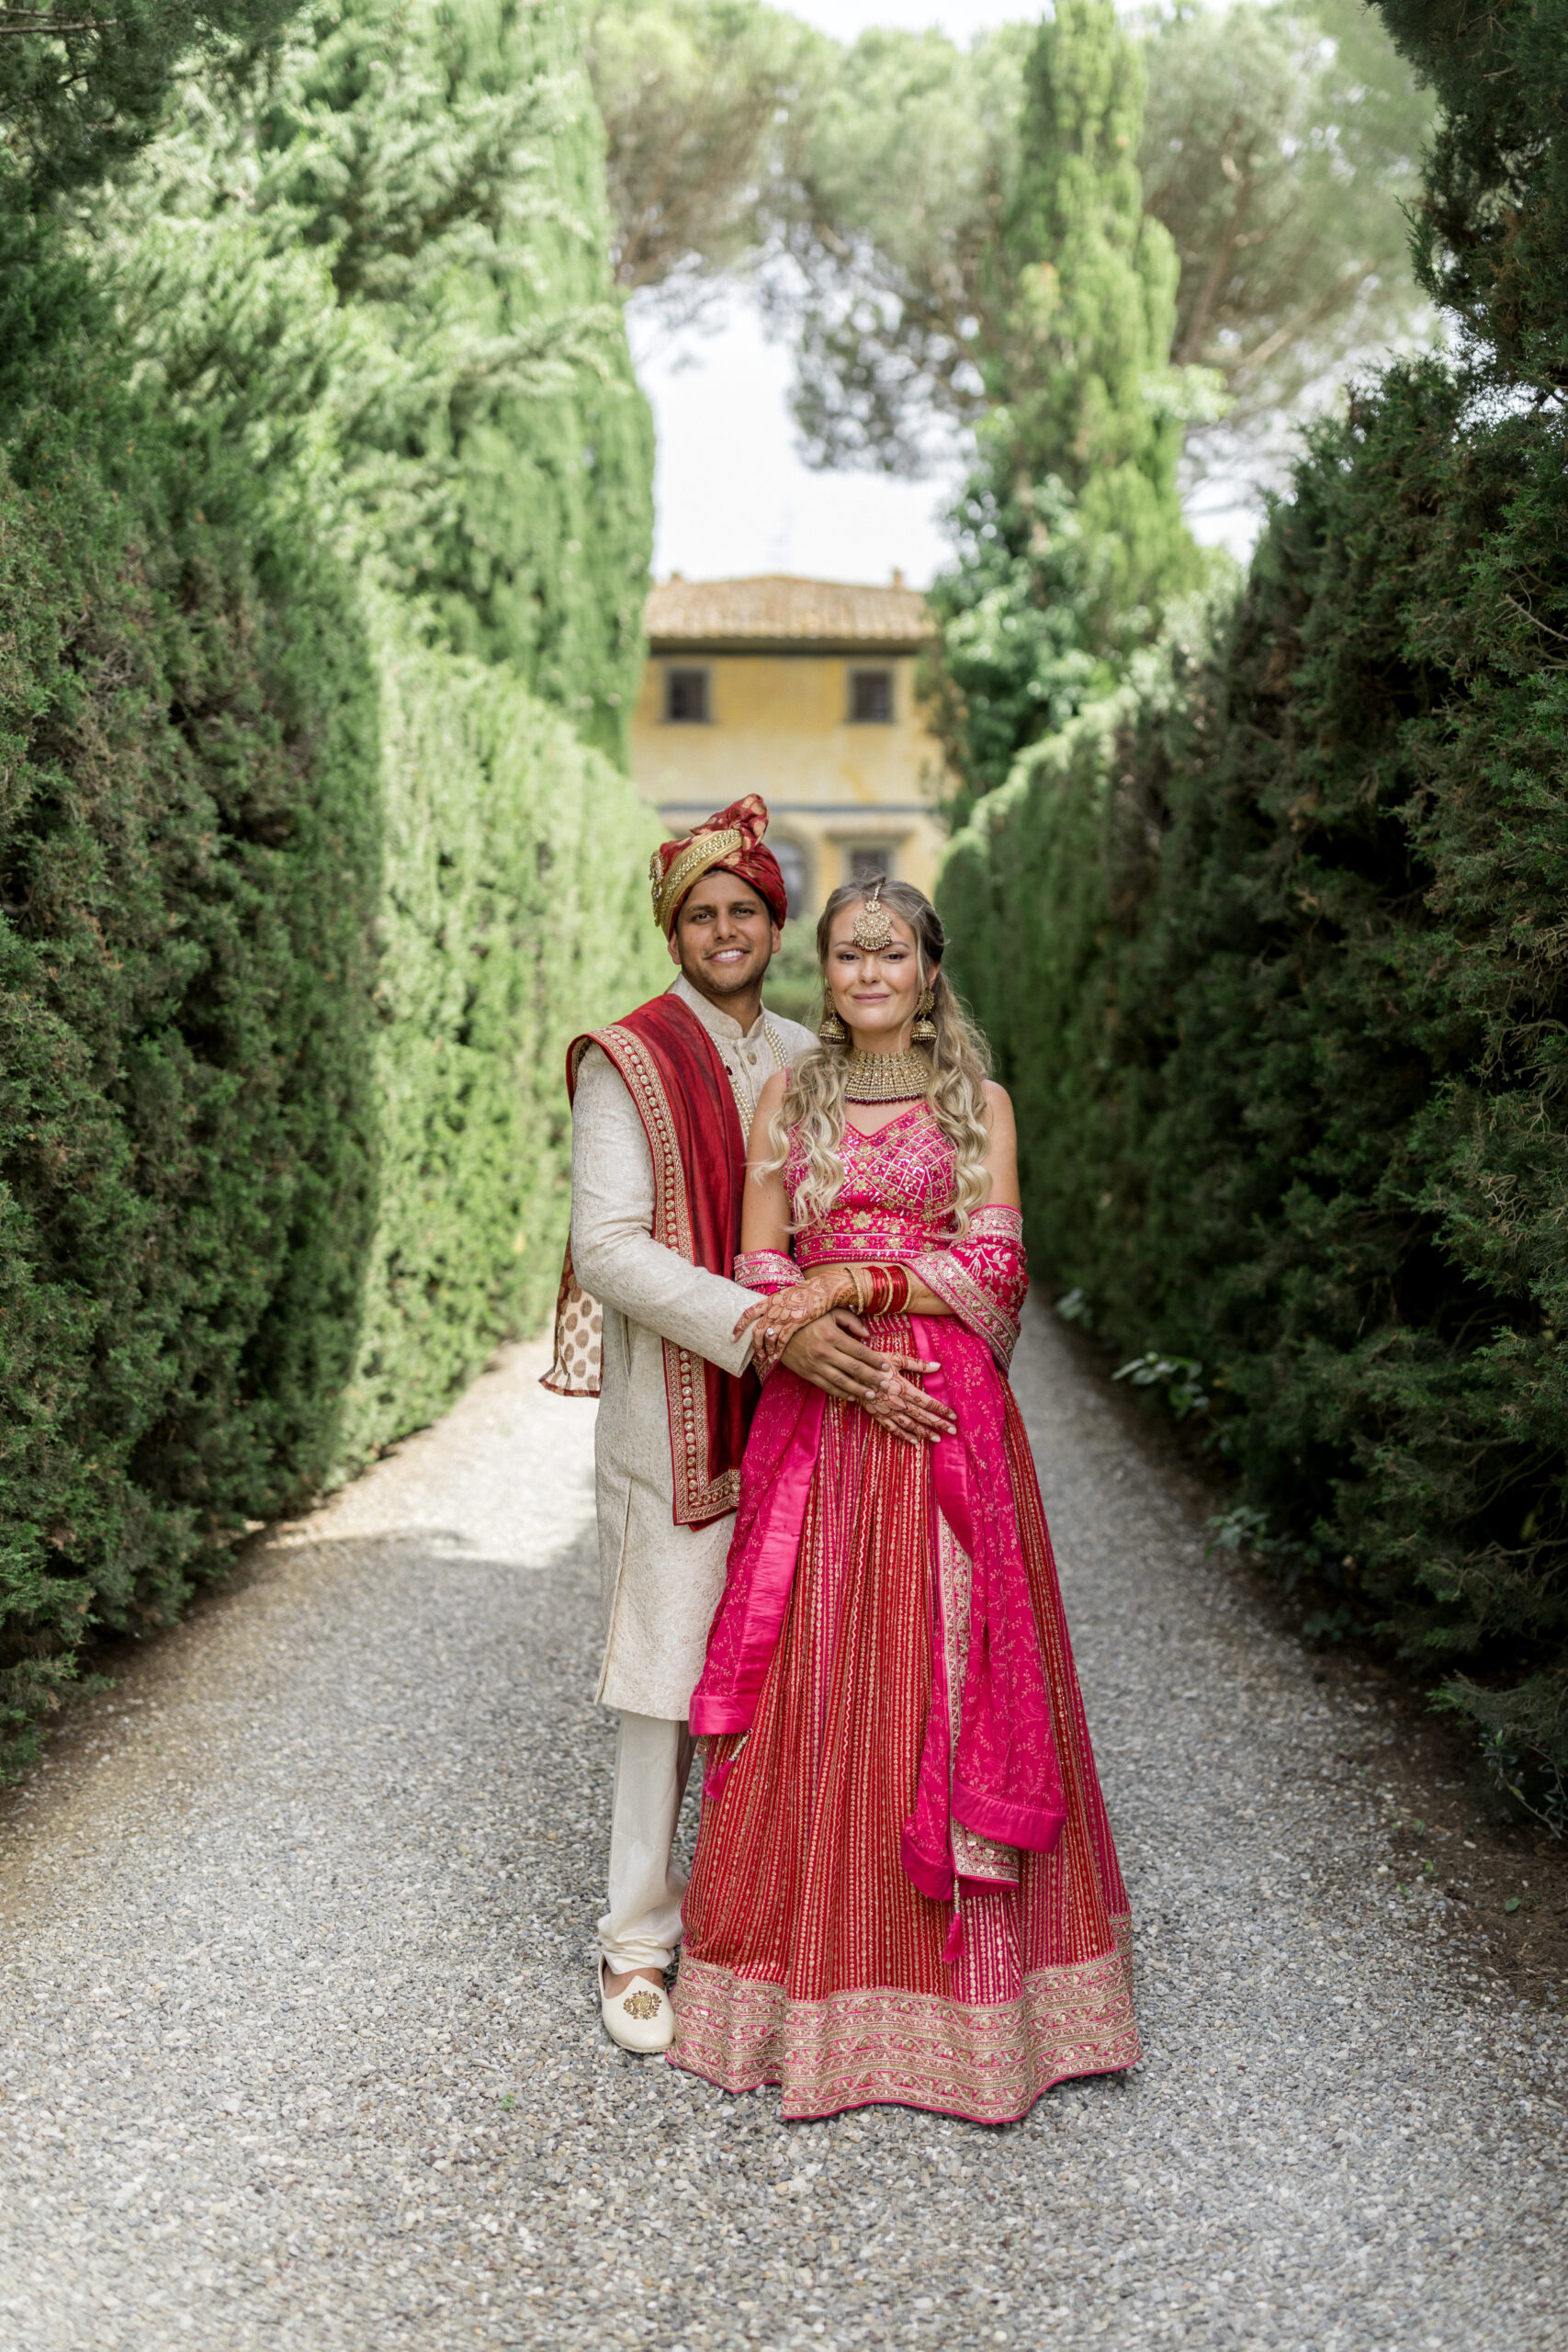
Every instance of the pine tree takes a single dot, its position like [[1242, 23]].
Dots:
[[1073, 538], [1281, 147]]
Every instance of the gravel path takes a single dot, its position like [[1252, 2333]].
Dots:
[[298, 2045]]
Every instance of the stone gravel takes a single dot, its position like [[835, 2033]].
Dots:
[[298, 2045]]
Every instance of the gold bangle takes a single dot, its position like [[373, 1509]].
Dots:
[[859, 1295]]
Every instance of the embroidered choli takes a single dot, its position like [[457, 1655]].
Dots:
[[895, 1207]]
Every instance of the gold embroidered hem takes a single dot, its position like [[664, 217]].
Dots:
[[986, 2064]]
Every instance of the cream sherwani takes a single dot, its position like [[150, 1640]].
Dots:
[[660, 1583]]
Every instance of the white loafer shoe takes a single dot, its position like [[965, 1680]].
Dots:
[[640, 2018]]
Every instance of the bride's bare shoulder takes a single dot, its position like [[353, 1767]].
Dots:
[[998, 1108]]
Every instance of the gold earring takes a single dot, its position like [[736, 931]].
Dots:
[[924, 1029], [830, 1029]]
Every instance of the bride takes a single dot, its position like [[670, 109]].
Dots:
[[905, 1885]]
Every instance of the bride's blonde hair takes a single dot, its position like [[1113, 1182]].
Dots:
[[814, 1094]]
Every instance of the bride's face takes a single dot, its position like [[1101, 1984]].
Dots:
[[874, 992]]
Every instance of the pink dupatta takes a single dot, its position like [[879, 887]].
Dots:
[[1000, 1779]]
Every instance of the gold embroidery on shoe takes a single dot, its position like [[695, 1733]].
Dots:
[[641, 2004]]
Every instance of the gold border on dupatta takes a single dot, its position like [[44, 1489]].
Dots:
[[698, 1497]]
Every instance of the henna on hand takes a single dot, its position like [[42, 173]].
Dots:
[[772, 1321], [831, 1354], [908, 1411]]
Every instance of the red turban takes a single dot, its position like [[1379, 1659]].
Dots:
[[733, 841]]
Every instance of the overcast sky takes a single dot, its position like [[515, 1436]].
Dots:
[[847, 18], [732, 495]]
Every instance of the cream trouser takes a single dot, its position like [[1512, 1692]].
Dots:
[[642, 1925]]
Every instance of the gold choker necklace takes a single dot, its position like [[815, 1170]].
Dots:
[[886, 1078]]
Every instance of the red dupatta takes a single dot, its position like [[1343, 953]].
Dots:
[[674, 1074]]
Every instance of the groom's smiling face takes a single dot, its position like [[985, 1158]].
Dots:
[[725, 936]]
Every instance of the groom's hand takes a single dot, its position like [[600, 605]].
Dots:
[[831, 1356]]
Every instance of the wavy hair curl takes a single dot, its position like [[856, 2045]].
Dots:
[[960, 1063]]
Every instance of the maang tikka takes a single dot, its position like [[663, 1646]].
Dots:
[[874, 924]]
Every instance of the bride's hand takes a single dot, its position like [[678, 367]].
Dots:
[[907, 1410], [787, 1310]]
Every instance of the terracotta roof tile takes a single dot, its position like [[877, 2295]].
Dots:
[[776, 609]]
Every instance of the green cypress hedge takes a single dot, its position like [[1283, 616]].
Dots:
[[297, 914], [1272, 952], [515, 913], [378, 253], [307, 869], [189, 864], [544, 561]]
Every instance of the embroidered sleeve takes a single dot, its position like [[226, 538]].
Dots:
[[983, 1278], [766, 1270]]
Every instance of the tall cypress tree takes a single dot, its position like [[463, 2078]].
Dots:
[[1086, 345], [1072, 533]]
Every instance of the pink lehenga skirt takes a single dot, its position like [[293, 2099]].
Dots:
[[811, 1961]]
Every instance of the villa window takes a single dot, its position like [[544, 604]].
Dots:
[[871, 697], [869, 861], [686, 697], [793, 866]]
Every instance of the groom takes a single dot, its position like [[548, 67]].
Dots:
[[662, 1103]]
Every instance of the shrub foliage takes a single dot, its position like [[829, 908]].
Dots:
[[1270, 945], [514, 914], [189, 859], [1071, 536], [1271, 950], [323, 517]]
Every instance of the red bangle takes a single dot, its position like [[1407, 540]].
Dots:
[[887, 1290]]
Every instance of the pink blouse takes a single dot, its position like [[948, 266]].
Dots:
[[895, 1207]]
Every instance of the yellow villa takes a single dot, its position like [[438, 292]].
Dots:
[[802, 690]]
